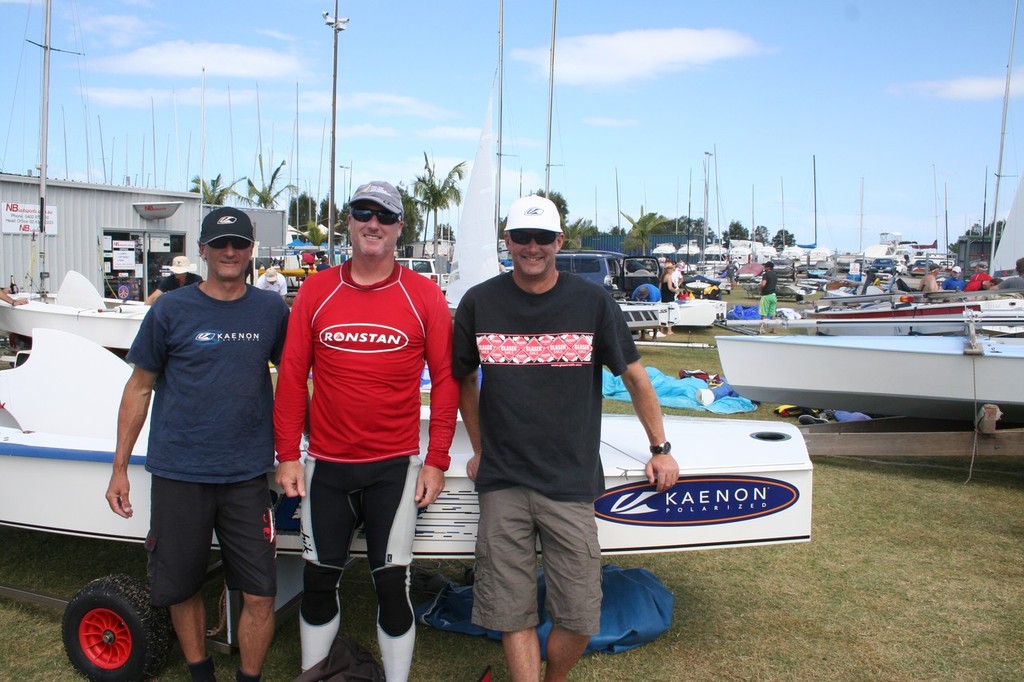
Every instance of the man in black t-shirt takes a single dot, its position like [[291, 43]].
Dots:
[[768, 287]]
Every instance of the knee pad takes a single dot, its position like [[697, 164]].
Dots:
[[394, 611], [319, 593]]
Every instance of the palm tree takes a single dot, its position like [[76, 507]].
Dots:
[[266, 195], [435, 196], [213, 193], [410, 217], [558, 200], [576, 231], [314, 234], [641, 230]]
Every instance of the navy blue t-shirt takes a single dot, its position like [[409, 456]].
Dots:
[[213, 399]]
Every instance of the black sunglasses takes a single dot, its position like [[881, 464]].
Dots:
[[523, 237], [363, 215], [237, 243]]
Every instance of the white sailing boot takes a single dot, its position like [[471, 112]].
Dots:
[[316, 640], [396, 653]]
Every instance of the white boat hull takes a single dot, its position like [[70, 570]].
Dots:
[[913, 376], [741, 482]]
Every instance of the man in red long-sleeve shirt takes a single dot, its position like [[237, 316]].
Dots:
[[365, 329]]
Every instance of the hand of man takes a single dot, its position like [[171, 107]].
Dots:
[[429, 484], [117, 494], [472, 466], [291, 477], [663, 471]]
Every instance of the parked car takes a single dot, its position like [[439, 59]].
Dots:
[[603, 268], [887, 266], [427, 268]]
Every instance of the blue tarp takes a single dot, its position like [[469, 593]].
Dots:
[[680, 393], [740, 312], [636, 608]]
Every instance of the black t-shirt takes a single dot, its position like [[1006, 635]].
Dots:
[[770, 280], [540, 398]]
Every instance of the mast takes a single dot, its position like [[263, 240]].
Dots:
[[501, 81], [814, 177], [44, 122], [551, 97], [1002, 140]]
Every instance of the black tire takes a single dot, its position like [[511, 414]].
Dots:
[[112, 633]]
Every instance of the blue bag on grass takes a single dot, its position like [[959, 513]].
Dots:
[[635, 609]]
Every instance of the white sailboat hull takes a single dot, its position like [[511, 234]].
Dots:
[[741, 482], [913, 376]]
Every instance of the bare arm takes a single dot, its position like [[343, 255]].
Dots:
[[6, 297], [469, 406], [661, 470], [131, 416], [153, 296]]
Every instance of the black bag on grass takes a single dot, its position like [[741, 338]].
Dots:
[[347, 661]]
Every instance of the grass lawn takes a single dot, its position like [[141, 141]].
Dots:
[[913, 573]]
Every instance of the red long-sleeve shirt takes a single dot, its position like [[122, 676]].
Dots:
[[366, 346]]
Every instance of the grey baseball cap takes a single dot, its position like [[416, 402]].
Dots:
[[381, 193]]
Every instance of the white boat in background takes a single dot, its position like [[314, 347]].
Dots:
[[917, 313], [77, 309], [944, 377]]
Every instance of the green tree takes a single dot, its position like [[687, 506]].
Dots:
[[435, 194], [576, 231], [641, 230], [761, 234], [737, 231], [266, 194], [411, 218], [782, 239], [301, 210], [313, 233], [213, 192]]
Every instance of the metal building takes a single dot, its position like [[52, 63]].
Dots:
[[121, 238]]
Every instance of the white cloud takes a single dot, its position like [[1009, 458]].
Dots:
[[394, 105], [612, 122], [968, 88], [366, 130], [636, 55], [184, 58], [143, 97]]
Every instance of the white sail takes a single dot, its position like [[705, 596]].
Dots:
[[476, 250], [1011, 242]]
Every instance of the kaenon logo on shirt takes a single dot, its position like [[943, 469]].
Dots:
[[363, 338], [535, 349], [212, 336]]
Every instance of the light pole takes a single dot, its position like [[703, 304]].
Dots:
[[338, 24], [348, 170]]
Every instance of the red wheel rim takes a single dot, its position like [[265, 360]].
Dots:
[[105, 639]]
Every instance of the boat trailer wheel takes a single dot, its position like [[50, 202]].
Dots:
[[112, 633]]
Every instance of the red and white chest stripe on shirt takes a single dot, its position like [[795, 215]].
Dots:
[[535, 349]]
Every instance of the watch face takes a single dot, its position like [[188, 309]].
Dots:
[[663, 449]]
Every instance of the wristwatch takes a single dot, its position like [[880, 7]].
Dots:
[[663, 449]]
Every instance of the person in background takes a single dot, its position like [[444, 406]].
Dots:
[[980, 276], [669, 293], [766, 307], [955, 282], [5, 296], [183, 273], [272, 280], [930, 282], [365, 328], [993, 283], [322, 263], [1017, 281], [211, 442], [647, 293], [540, 481]]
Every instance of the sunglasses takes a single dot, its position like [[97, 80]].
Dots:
[[522, 237], [363, 215], [237, 243]]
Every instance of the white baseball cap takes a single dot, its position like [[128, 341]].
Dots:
[[533, 213]]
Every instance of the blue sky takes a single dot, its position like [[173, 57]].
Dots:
[[899, 104]]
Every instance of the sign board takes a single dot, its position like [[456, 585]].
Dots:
[[18, 218]]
